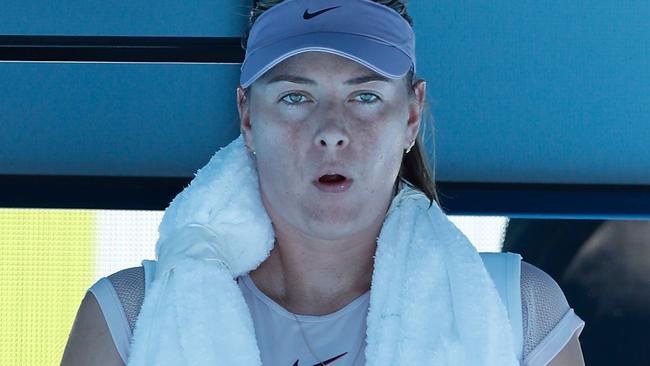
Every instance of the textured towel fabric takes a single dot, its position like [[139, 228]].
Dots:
[[432, 301]]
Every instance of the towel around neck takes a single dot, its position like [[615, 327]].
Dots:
[[432, 301]]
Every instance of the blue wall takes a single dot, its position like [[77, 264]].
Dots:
[[124, 18], [537, 92]]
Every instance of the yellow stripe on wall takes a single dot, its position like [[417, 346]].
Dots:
[[46, 265]]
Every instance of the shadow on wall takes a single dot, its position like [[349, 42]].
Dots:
[[603, 268]]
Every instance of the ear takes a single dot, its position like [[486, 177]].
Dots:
[[416, 106], [245, 126]]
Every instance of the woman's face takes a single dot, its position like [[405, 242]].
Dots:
[[316, 113]]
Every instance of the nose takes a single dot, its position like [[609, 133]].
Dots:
[[332, 135], [332, 139]]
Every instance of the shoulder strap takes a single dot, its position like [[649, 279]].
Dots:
[[112, 302], [505, 270], [149, 272], [111, 307]]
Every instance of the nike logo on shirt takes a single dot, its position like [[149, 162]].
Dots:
[[326, 362], [307, 15]]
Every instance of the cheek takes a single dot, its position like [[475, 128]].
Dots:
[[277, 163], [272, 134], [275, 126], [383, 167], [275, 160], [381, 141]]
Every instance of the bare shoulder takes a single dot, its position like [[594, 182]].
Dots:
[[90, 341], [570, 355]]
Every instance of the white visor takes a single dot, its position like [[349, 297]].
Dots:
[[364, 31]]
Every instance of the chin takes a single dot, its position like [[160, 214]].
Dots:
[[336, 220]]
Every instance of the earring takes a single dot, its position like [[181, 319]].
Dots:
[[250, 150], [408, 150]]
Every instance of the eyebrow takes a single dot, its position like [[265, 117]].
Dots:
[[302, 80]]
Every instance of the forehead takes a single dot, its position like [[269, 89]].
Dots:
[[317, 62]]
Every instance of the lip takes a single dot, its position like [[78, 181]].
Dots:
[[334, 187], [338, 187]]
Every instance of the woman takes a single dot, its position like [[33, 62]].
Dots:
[[324, 196]]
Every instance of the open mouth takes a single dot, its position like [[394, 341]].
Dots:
[[332, 178], [333, 183]]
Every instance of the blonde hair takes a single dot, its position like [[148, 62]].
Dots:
[[415, 167]]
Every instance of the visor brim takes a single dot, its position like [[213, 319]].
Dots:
[[378, 56]]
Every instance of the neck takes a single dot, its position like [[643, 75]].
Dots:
[[317, 277]]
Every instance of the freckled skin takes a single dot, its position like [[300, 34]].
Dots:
[[325, 242], [366, 139]]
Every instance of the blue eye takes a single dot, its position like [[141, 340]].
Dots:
[[296, 98], [292, 98], [364, 98]]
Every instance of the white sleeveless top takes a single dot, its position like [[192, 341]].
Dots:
[[335, 339], [339, 338]]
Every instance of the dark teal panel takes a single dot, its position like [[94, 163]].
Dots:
[[217, 18], [550, 92], [114, 119], [538, 91]]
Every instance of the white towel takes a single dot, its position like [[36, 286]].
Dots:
[[432, 301]]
